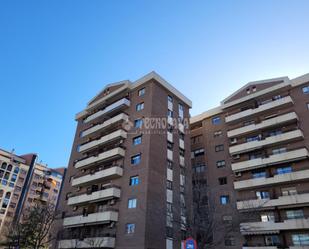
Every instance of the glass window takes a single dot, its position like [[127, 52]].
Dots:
[[3, 166], [224, 199], [284, 170], [170, 113], [272, 240], [141, 92], [289, 191], [169, 98], [219, 147], [138, 123], [140, 106], [300, 239], [137, 140], [9, 168], [198, 152], [306, 89], [132, 203], [262, 194], [230, 241], [221, 164], [259, 174], [199, 168], [16, 170], [279, 151], [134, 180], [266, 217], [130, 228], [136, 159], [169, 184], [295, 214], [222, 180], [216, 120], [254, 138]]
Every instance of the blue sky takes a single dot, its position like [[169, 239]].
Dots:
[[56, 55]]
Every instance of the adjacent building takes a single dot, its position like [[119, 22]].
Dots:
[[252, 151], [24, 182], [128, 183]]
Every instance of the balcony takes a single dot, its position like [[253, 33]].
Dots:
[[286, 157], [273, 227], [262, 108], [91, 219], [102, 175], [288, 200], [95, 196], [118, 105], [103, 140], [107, 124], [96, 242], [102, 157], [279, 120], [283, 178], [258, 144]]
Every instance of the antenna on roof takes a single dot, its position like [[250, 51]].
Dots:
[[12, 154]]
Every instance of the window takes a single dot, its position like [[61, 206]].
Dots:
[[279, 151], [254, 138], [137, 140], [272, 240], [132, 203], [199, 168], [169, 165], [134, 180], [16, 170], [230, 241], [300, 239], [169, 184], [196, 139], [130, 228], [289, 191], [259, 174], [307, 105], [218, 133], [141, 92], [170, 145], [216, 120], [170, 113], [138, 123], [224, 199], [284, 170], [295, 214], [227, 219], [266, 217], [220, 164], [219, 147], [262, 194], [247, 123], [222, 180], [306, 89], [198, 152], [140, 106], [180, 111], [169, 98], [136, 159]]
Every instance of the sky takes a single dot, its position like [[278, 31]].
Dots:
[[56, 55]]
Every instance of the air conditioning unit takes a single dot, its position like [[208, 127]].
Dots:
[[238, 174], [112, 225]]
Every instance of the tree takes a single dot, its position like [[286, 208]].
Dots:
[[32, 230]]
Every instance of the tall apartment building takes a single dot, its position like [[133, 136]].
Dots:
[[23, 182], [255, 147], [128, 180]]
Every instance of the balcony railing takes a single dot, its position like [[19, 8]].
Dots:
[[106, 124], [260, 109], [95, 196], [279, 120], [104, 156], [103, 140], [95, 242], [272, 140], [122, 103], [297, 199], [271, 227], [281, 178], [94, 218], [101, 175], [289, 156]]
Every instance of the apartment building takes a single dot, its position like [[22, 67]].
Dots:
[[128, 183], [257, 140], [24, 182]]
